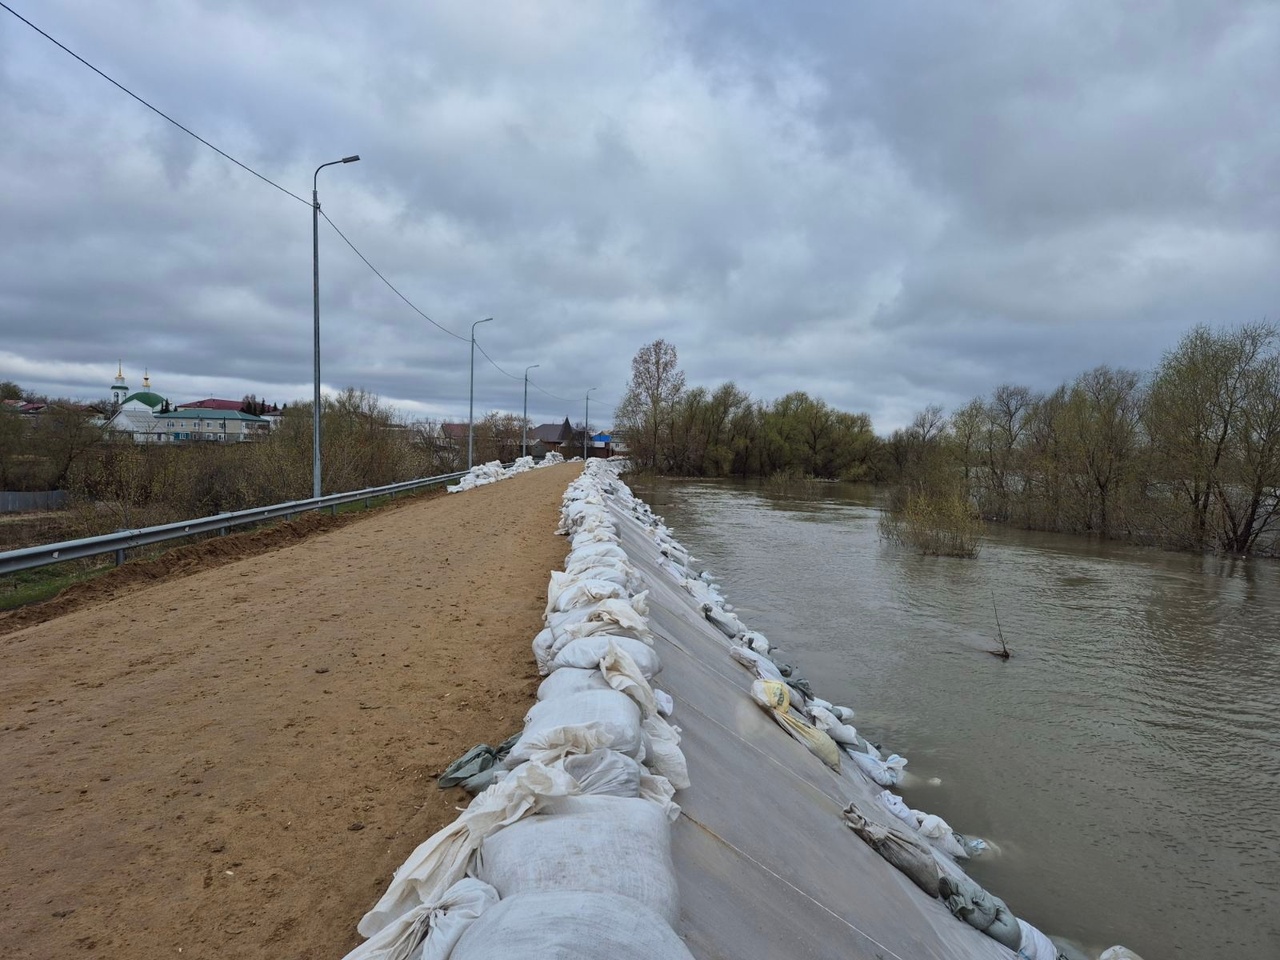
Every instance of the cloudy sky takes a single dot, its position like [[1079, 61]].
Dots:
[[884, 204]]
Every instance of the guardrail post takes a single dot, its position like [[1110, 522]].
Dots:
[[120, 557], [333, 511]]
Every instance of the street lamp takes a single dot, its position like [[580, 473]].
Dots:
[[471, 394], [315, 296], [524, 424], [586, 423]]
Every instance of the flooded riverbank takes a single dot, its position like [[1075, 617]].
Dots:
[[1126, 760]]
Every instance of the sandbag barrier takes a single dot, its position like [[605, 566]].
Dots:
[[924, 848], [483, 474], [568, 850]]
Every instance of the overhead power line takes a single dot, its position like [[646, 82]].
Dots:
[[495, 363], [267, 180], [153, 109], [222, 153], [378, 274], [549, 393]]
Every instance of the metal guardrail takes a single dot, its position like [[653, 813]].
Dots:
[[29, 558]]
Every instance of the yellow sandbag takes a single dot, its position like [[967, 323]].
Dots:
[[776, 697]]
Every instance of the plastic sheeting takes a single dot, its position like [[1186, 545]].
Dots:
[[765, 866]]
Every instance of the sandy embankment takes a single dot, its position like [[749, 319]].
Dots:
[[231, 764]]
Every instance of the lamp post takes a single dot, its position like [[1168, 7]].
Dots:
[[471, 394], [315, 297], [586, 423], [524, 424]]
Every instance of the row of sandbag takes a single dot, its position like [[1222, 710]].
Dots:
[[926, 848], [485, 473], [568, 850]]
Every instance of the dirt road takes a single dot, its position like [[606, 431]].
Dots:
[[232, 764]]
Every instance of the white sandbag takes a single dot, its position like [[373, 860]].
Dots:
[[621, 574], [558, 583], [594, 531], [430, 930], [543, 653], [603, 718], [600, 844], [607, 615], [580, 593], [843, 714], [827, 722], [887, 773], [597, 551], [726, 623], [589, 651], [624, 675], [570, 680], [604, 773], [1036, 946], [754, 640], [572, 925], [843, 733], [441, 860], [939, 832], [763, 667], [666, 705], [662, 751], [898, 807], [577, 565], [1118, 952]]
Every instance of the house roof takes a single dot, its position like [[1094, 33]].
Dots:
[[454, 431], [212, 404], [134, 421], [186, 413], [552, 432]]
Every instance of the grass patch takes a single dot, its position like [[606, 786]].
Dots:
[[43, 583]]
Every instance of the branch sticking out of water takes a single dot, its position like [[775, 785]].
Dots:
[[1004, 653]]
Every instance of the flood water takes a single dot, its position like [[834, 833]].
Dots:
[[1126, 761]]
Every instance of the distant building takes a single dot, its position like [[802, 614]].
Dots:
[[222, 426], [552, 436], [133, 414], [213, 403], [148, 417]]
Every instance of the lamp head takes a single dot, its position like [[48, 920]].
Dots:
[[351, 159]]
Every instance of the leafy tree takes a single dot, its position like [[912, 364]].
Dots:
[[644, 414]]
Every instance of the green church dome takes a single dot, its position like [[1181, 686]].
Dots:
[[146, 398]]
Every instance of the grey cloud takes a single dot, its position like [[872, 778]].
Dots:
[[883, 205]]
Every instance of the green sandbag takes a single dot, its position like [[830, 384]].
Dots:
[[479, 758]]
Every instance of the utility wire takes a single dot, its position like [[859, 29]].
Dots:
[[267, 180], [156, 110], [549, 393], [495, 364], [228, 156], [378, 274]]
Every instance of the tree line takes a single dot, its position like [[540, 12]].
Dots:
[[722, 432], [116, 483], [1186, 456]]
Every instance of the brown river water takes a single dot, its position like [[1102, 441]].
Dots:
[[1125, 762]]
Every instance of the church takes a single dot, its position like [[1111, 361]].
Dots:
[[148, 417]]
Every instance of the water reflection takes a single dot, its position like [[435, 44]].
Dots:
[[1126, 760]]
